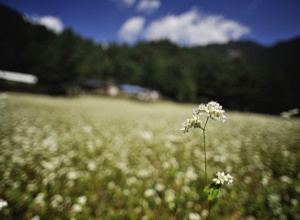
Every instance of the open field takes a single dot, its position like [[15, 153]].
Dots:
[[102, 158]]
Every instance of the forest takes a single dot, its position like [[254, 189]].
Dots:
[[242, 75]]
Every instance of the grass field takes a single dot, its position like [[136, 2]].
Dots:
[[104, 158]]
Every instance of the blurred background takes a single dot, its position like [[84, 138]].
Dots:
[[97, 157], [245, 54]]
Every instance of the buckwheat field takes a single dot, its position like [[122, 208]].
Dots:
[[106, 158]]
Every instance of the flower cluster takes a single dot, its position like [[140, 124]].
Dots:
[[215, 112], [212, 110], [194, 122], [291, 113], [222, 178], [213, 189]]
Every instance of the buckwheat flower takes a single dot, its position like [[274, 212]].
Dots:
[[286, 179], [194, 122], [36, 217], [200, 110], [204, 213], [194, 216], [159, 187], [56, 201], [169, 196], [222, 178], [3, 204], [76, 208], [157, 200], [149, 193], [40, 199], [82, 200], [290, 113], [212, 110], [185, 126], [294, 202], [72, 175], [215, 112]]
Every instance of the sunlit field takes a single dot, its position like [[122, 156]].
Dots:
[[106, 158]]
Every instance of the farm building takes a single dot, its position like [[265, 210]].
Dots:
[[133, 91], [16, 81], [99, 87]]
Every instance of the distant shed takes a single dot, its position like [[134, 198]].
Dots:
[[18, 77], [144, 94], [99, 87], [19, 82]]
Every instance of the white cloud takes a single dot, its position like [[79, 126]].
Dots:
[[148, 5], [49, 21], [195, 28], [128, 2], [132, 28], [125, 2]]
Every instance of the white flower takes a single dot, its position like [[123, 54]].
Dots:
[[159, 187], [82, 200], [212, 110], [36, 217], [170, 196], [3, 204], [286, 179], [111, 185], [274, 198], [185, 126], [72, 175], [194, 122], [222, 178], [200, 110], [76, 208], [149, 193], [294, 202], [290, 113], [56, 201], [190, 174], [215, 111], [131, 181], [204, 213], [194, 216], [39, 199], [87, 129]]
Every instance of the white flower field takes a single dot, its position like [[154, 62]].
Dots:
[[110, 158]]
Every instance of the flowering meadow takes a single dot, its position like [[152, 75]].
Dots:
[[109, 158]]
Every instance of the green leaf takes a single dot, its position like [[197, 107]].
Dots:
[[216, 193], [207, 189], [212, 190]]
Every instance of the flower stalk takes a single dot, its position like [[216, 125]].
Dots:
[[213, 111], [204, 143]]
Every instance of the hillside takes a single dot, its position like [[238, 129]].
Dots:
[[258, 56]]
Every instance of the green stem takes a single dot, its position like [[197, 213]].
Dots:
[[204, 143], [205, 162], [205, 155], [208, 217]]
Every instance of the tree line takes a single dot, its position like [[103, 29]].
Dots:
[[240, 75]]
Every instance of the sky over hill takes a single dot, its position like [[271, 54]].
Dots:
[[188, 22]]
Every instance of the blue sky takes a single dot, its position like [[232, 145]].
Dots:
[[186, 22]]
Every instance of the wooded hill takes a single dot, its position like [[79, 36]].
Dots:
[[241, 75]]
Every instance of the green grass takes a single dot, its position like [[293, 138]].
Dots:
[[104, 158]]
